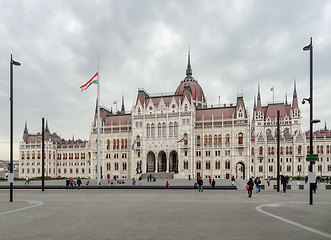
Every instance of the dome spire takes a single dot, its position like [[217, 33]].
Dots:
[[189, 69]]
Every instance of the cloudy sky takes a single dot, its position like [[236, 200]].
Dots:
[[234, 46]]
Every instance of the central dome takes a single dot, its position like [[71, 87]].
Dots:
[[190, 82]]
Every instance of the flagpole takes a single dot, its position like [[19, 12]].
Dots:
[[98, 140]]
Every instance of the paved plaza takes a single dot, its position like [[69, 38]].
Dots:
[[164, 214]]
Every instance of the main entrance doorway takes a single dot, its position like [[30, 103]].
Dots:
[[150, 162], [240, 170]]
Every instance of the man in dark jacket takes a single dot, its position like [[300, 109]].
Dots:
[[284, 183], [250, 186]]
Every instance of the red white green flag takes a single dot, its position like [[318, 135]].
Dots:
[[94, 79]]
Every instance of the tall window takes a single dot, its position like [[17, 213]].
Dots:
[[217, 165], [108, 144], [153, 130], [219, 140], [240, 138], [148, 130], [260, 168], [116, 166], [227, 165], [198, 141], [227, 139], [198, 164], [210, 140], [299, 149], [252, 151], [171, 129], [176, 129], [206, 140], [164, 129], [261, 151], [185, 164], [208, 165], [159, 129]]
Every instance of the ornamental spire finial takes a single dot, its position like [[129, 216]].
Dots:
[[189, 69]]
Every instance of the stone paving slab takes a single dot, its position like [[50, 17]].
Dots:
[[163, 214]]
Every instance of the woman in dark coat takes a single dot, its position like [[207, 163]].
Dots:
[[250, 185]]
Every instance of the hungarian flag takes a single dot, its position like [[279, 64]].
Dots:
[[181, 140], [272, 89], [115, 102], [94, 79]]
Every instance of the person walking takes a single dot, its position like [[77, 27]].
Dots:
[[213, 183], [67, 183], [167, 185], [209, 180], [284, 183], [79, 182], [249, 187], [200, 183], [298, 180], [71, 183], [140, 180], [257, 182], [233, 181], [268, 181]]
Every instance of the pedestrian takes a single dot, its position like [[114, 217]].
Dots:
[[284, 182], [318, 179], [26, 180], [327, 180], [268, 181], [200, 183], [257, 182], [67, 183], [79, 182], [306, 179], [249, 187], [133, 181], [71, 183], [233, 180], [167, 185], [298, 180], [140, 180], [213, 183], [209, 180]]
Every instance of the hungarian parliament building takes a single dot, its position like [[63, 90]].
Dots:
[[179, 136]]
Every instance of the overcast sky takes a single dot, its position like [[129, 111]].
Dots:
[[234, 46]]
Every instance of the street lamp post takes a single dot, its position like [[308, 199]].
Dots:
[[310, 100], [12, 62]]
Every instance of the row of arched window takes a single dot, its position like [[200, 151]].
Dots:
[[227, 165], [288, 150], [208, 140], [37, 155], [117, 144], [70, 156], [116, 166], [162, 129]]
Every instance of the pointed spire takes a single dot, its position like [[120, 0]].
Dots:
[[73, 138], [189, 69], [295, 90], [123, 108], [325, 128], [286, 98], [26, 128], [47, 126], [254, 104], [111, 110], [258, 93], [96, 106]]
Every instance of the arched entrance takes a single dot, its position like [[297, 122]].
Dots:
[[173, 162], [240, 170], [162, 162], [150, 163]]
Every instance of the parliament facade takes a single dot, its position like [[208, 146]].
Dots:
[[180, 136]]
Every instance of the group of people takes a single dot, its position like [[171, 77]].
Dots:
[[70, 183], [250, 185]]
